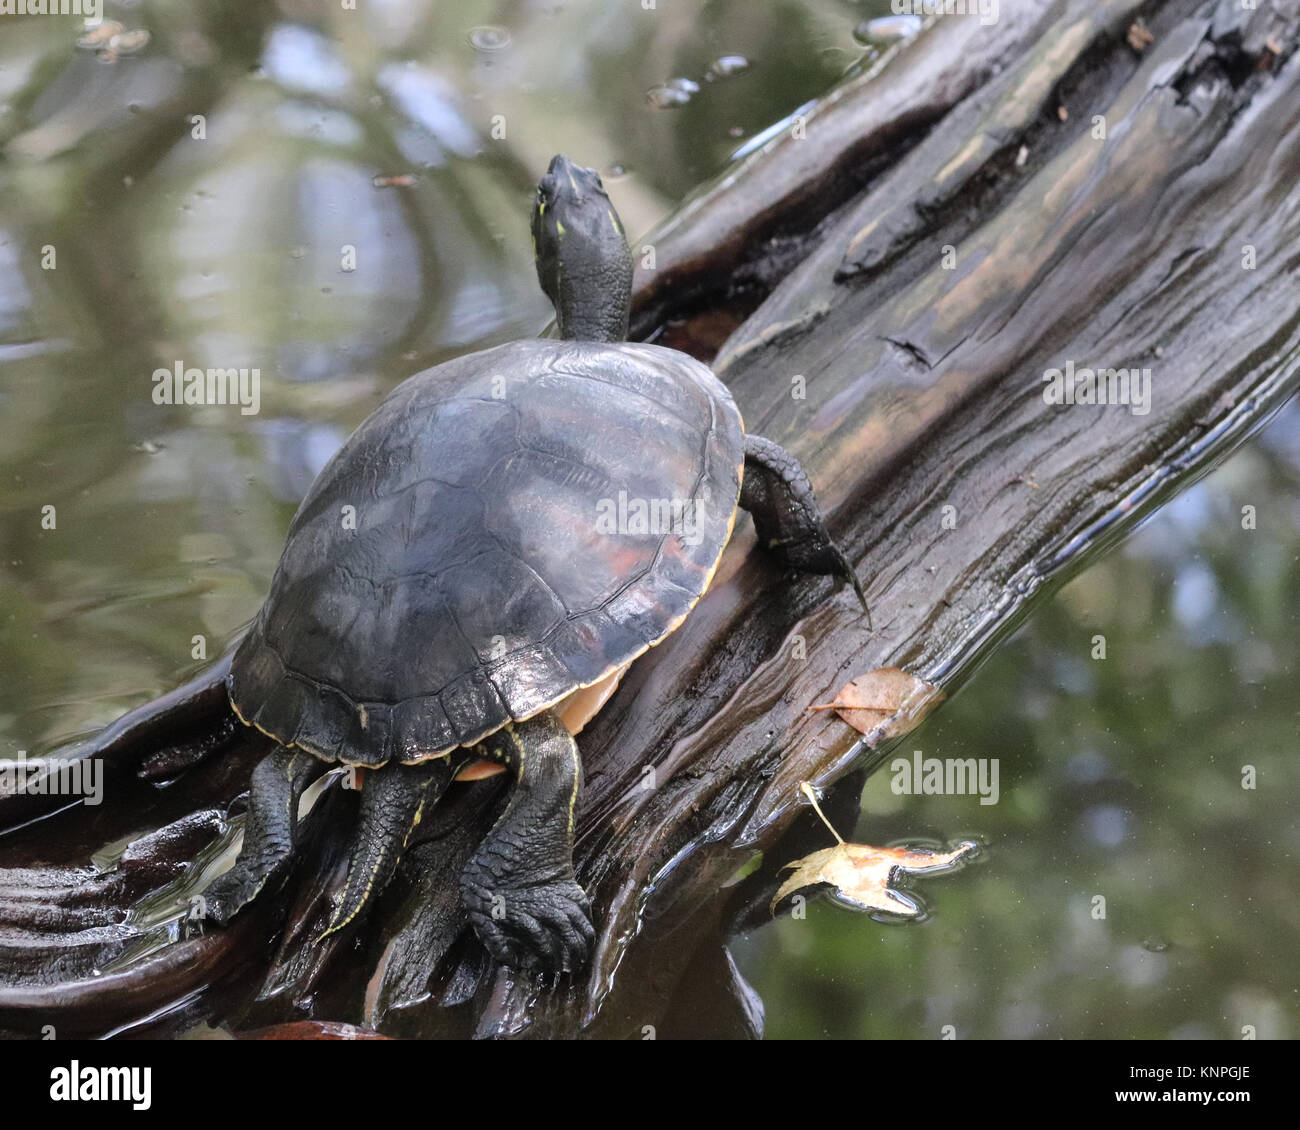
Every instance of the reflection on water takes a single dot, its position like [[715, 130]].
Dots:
[[336, 199], [1122, 780], [195, 201]]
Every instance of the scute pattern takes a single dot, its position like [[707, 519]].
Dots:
[[478, 586]]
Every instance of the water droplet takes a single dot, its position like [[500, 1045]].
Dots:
[[489, 38], [887, 29], [673, 94], [727, 66], [615, 171], [666, 98]]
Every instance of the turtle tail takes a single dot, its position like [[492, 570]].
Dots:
[[393, 799]]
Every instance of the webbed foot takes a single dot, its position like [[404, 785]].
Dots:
[[270, 832], [519, 888], [545, 929]]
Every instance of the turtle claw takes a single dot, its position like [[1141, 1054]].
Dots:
[[844, 573], [230, 893], [270, 833], [543, 929], [789, 523]]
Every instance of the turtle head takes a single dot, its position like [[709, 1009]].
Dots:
[[583, 261]]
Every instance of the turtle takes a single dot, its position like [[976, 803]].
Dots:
[[470, 574]]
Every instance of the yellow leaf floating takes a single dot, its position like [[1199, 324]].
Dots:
[[884, 703], [864, 876]]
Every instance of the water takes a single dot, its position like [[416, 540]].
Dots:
[[134, 237]]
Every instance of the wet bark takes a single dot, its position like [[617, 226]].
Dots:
[[889, 279]]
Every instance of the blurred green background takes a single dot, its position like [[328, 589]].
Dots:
[[1119, 777], [194, 197]]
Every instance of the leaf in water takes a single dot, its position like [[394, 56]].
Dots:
[[99, 35], [863, 874], [129, 42], [884, 703]]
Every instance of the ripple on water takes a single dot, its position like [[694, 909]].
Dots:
[[489, 38]]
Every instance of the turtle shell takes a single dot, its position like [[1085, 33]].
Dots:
[[504, 529]]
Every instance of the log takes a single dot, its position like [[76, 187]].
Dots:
[[890, 280]]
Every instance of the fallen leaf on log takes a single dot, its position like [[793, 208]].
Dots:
[[884, 703]]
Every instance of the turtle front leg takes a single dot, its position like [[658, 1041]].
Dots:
[[520, 888], [270, 831], [776, 491]]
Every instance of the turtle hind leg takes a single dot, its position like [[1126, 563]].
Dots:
[[393, 799], [776, 491], [519, 887], [269, 831]]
